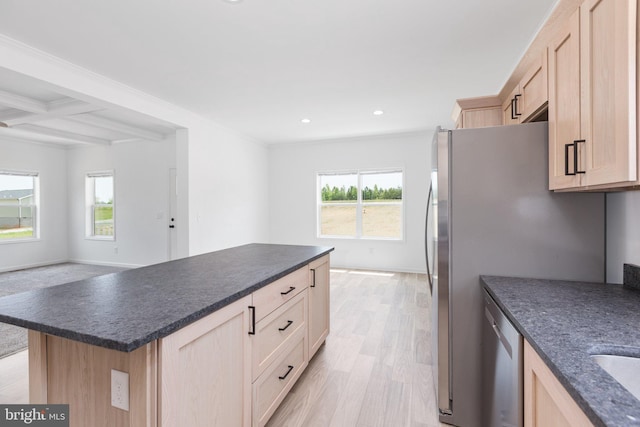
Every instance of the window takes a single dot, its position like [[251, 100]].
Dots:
[[18, 205], [361, 204], [100, 206]]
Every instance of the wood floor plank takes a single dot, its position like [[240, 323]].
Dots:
[[351, 398]]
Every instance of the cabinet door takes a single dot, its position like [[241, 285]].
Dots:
[[564, 105], [205, 371], [481, 117], [546, 402], [534, 89], [608, 73], [318, 304]]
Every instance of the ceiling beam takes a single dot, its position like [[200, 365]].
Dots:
[[23, 103], [67, 136], [55, 109], [113, 125]]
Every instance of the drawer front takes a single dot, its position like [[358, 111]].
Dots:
[[274, 384], [276, 331], [277, 293]]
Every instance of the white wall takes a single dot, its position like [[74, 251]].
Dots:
[[623, 232], [292, 195], [228, 189], [50, 163], [141, 171]]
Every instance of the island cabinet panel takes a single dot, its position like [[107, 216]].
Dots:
[[546, 402], [272, 386], [205, 371], [319, 295], [277, 331], [277, 293], [79, 374]]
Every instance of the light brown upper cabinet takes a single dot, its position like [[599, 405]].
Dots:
[[592, 98], [529, 98], [477, 112], [533, 90]]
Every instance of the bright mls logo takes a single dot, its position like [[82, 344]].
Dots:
[[34, 415]]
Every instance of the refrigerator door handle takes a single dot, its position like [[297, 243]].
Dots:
[[426, 239]]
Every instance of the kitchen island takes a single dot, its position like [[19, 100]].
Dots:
[[193, 337], [567, 322]]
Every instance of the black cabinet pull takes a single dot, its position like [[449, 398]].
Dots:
[[566, 159], [172, 226], [515, 105], [513, 108], [291, 288], [573, 144], [252, 309], [289, 323], [313, 282], [575, 156], [288, 372]]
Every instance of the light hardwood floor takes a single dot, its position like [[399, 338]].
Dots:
[[374, 370]]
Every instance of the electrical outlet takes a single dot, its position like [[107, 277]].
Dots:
[[120, 389]]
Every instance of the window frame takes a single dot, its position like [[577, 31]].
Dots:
[[359, 204], [91, 205], [34, 206]]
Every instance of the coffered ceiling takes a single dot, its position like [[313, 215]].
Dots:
[[261, 66], [30, 110]]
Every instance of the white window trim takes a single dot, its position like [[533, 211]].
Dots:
[[359, 204], [35, 206], [89, 206]]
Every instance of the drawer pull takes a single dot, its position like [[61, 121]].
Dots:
[[252, 309], [313, 282], [288, 372], [291, 289], [289, 323]]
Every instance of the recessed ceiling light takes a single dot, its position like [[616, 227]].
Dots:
[[305, 121], [378, 113]]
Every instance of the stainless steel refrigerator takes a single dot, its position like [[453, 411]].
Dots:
[[490, 212]]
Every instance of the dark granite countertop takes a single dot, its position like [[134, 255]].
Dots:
[[123, 311], [565, 322]]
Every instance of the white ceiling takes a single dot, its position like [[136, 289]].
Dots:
[[260, 66]]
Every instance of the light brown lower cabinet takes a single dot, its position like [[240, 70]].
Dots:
[[231, 368], [546, 402], [318, 303]]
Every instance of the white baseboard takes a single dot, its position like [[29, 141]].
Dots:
[[108, 264], [34, 265]]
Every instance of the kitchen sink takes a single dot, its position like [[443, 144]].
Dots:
[[624, 369]]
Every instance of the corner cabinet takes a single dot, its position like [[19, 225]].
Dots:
[[477, 112], [592, 98], [318, 303], [546, 402]]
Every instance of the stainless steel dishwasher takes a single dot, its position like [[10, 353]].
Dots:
[[502, 373]]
